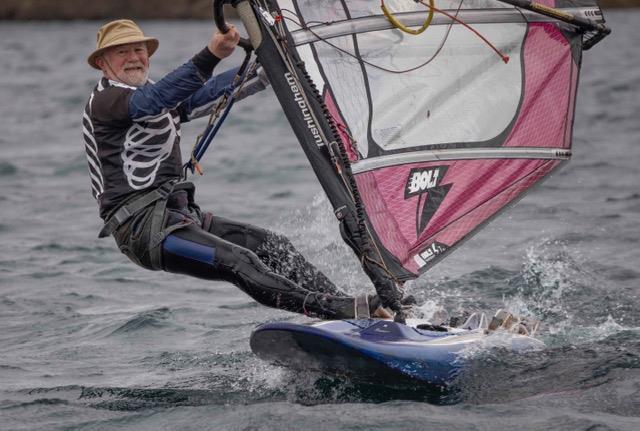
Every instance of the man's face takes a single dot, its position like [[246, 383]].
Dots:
[[128, 63]]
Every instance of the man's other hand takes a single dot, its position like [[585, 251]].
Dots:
[[222, 45]]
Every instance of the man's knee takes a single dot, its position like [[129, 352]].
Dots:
[[242, 234], [240, 258]]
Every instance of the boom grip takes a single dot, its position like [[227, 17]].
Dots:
[[218, 19], [218, 16]]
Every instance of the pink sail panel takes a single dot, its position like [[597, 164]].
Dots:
[[410, 206], [546, 114], [459, 229]]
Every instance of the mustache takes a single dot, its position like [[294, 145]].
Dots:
[[135, 64]]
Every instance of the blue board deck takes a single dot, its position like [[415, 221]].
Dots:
[[372, 349]]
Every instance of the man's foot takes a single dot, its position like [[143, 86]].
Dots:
[[377, 310], [520, 325], [368, 306]]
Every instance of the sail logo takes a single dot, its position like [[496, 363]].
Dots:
[[421, 180], [429, 253], [426, 184], [304, 109]]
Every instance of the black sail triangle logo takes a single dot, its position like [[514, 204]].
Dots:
[[426, 184]]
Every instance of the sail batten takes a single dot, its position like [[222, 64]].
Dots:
[[329, 30], [460, 154]]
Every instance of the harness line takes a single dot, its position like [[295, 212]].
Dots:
[[219, 113]]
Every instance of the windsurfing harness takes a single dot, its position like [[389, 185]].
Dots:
[[420, 140]]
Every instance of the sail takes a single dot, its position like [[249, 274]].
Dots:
[[420, 140]]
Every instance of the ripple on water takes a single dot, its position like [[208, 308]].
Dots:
[[225, 392], [77, 165], [281, 195], [185, 360], [152, 319], [57, 247], [633, 196], [241, 306], [7, 168], [501, 376], [83, 297], [43, 275]]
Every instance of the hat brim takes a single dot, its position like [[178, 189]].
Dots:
[[152, 46]]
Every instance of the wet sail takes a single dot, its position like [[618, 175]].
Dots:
[[420, 140]]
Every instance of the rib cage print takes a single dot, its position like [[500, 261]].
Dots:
[[146, 146], [91, 148]]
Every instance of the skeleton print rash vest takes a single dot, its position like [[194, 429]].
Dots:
[[132, 135]]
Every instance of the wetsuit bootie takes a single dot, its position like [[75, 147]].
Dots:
[[360, 307], [330, 307], [376, 310]]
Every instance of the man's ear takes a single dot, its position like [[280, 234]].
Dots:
[[100, 62]]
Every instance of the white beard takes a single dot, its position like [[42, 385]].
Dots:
[[135, 78]]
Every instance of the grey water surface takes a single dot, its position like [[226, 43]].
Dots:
[[90, 341]]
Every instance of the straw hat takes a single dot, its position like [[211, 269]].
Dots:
[[120, 32]]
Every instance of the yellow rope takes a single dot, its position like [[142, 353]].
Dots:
[[400, 26]]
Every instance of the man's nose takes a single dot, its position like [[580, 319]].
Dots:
[[132, 55]]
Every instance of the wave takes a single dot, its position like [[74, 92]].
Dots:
[[241, 306], [631, 197], [497, 375], [158, 318], [7, 168], [76, 165], [36, 402]]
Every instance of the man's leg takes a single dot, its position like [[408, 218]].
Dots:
[[194, 251], [276, 251]]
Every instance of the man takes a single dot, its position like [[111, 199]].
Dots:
[[131, 128]]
